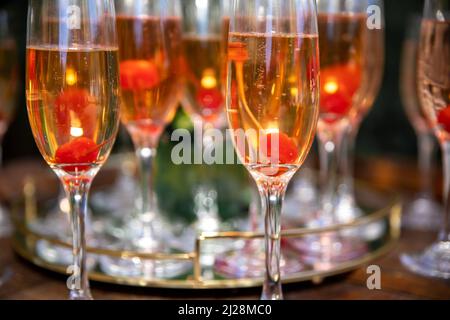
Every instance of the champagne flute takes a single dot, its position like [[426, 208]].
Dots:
[[8, 90], [347, 63], [272, 103], [72, 92], [205, 36], [373, 63], [433, 77], [149, 33], [423, 212]]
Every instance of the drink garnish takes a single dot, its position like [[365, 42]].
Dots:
[[138, 75], [211, 99], [339, 83], [78, 151], [287, 149], [237, 51]]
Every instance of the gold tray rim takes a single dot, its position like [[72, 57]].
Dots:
[[312, 275], [392, 211]]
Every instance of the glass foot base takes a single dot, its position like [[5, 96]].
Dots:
[[327, 251], [433, 262], [249, 262], [422, 214], [147, 269], [272, 296], [348, 211], [137, 238], [76, 295]]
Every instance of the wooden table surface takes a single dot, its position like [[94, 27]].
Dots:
[[29, 282]]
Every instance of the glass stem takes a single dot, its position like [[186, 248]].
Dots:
[[329, 150], [444, 235], [272, 195], [77, 191], [148, 206], [426, 146], [205, 195], [347, 163], [253, 245]]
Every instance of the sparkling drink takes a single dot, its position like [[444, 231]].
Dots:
[[433, 77], [272, 98], [205, 74], [150, 72], [205, 59], [71, 98], [346, 89]]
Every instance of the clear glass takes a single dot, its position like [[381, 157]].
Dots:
[[351, 57], [72, 91], [423, 212], [205, 34], [150, 54], [433, 69], [352, 61], [272, 103], [8, 95], [249, 261]]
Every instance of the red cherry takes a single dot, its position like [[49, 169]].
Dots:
[[334, 106], [237, 52], [138, 75], [443, 118], [336, 102], [287, 149], [211, 99], [72, 99], [81, 150]]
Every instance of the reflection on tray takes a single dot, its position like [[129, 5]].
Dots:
[[222, 259]]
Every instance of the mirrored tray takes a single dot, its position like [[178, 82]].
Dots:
[[376, 231]]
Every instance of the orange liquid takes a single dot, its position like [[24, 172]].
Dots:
[[351, 66], [205, 60], [205, 65], [150, 73], [274, 93], [73, 104]]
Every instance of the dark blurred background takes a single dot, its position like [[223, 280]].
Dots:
[[385, 132]]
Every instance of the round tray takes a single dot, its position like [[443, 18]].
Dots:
[[386, 219]]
